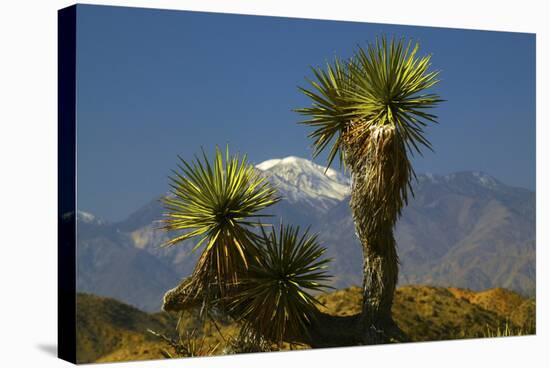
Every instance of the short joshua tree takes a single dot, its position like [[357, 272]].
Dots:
[[259, 277]]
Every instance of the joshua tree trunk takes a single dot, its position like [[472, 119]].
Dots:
[[380, 175], [380, 267]]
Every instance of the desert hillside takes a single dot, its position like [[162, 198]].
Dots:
[[109, 330]]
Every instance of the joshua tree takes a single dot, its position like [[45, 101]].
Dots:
[[215, 202], [371, 111], [260, 279]]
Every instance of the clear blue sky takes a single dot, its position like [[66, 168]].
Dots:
[[154, 83]]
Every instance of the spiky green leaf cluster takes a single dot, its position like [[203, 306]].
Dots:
[[275, 299], [218, 203], [330, 110], [384, 85]]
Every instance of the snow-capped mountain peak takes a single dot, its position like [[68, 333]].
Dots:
[[301, 179]]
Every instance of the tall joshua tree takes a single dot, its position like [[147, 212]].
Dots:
[[371, 111]]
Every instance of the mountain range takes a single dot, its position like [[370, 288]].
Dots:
[[465, 229]]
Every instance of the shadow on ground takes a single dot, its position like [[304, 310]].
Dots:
[[50, 349]]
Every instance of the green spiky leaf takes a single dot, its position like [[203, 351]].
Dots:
[[275, 299], [217, 202], [383, 85]]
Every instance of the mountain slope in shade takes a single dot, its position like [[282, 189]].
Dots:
[[456, 231], [110, 265], [465, 229]]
